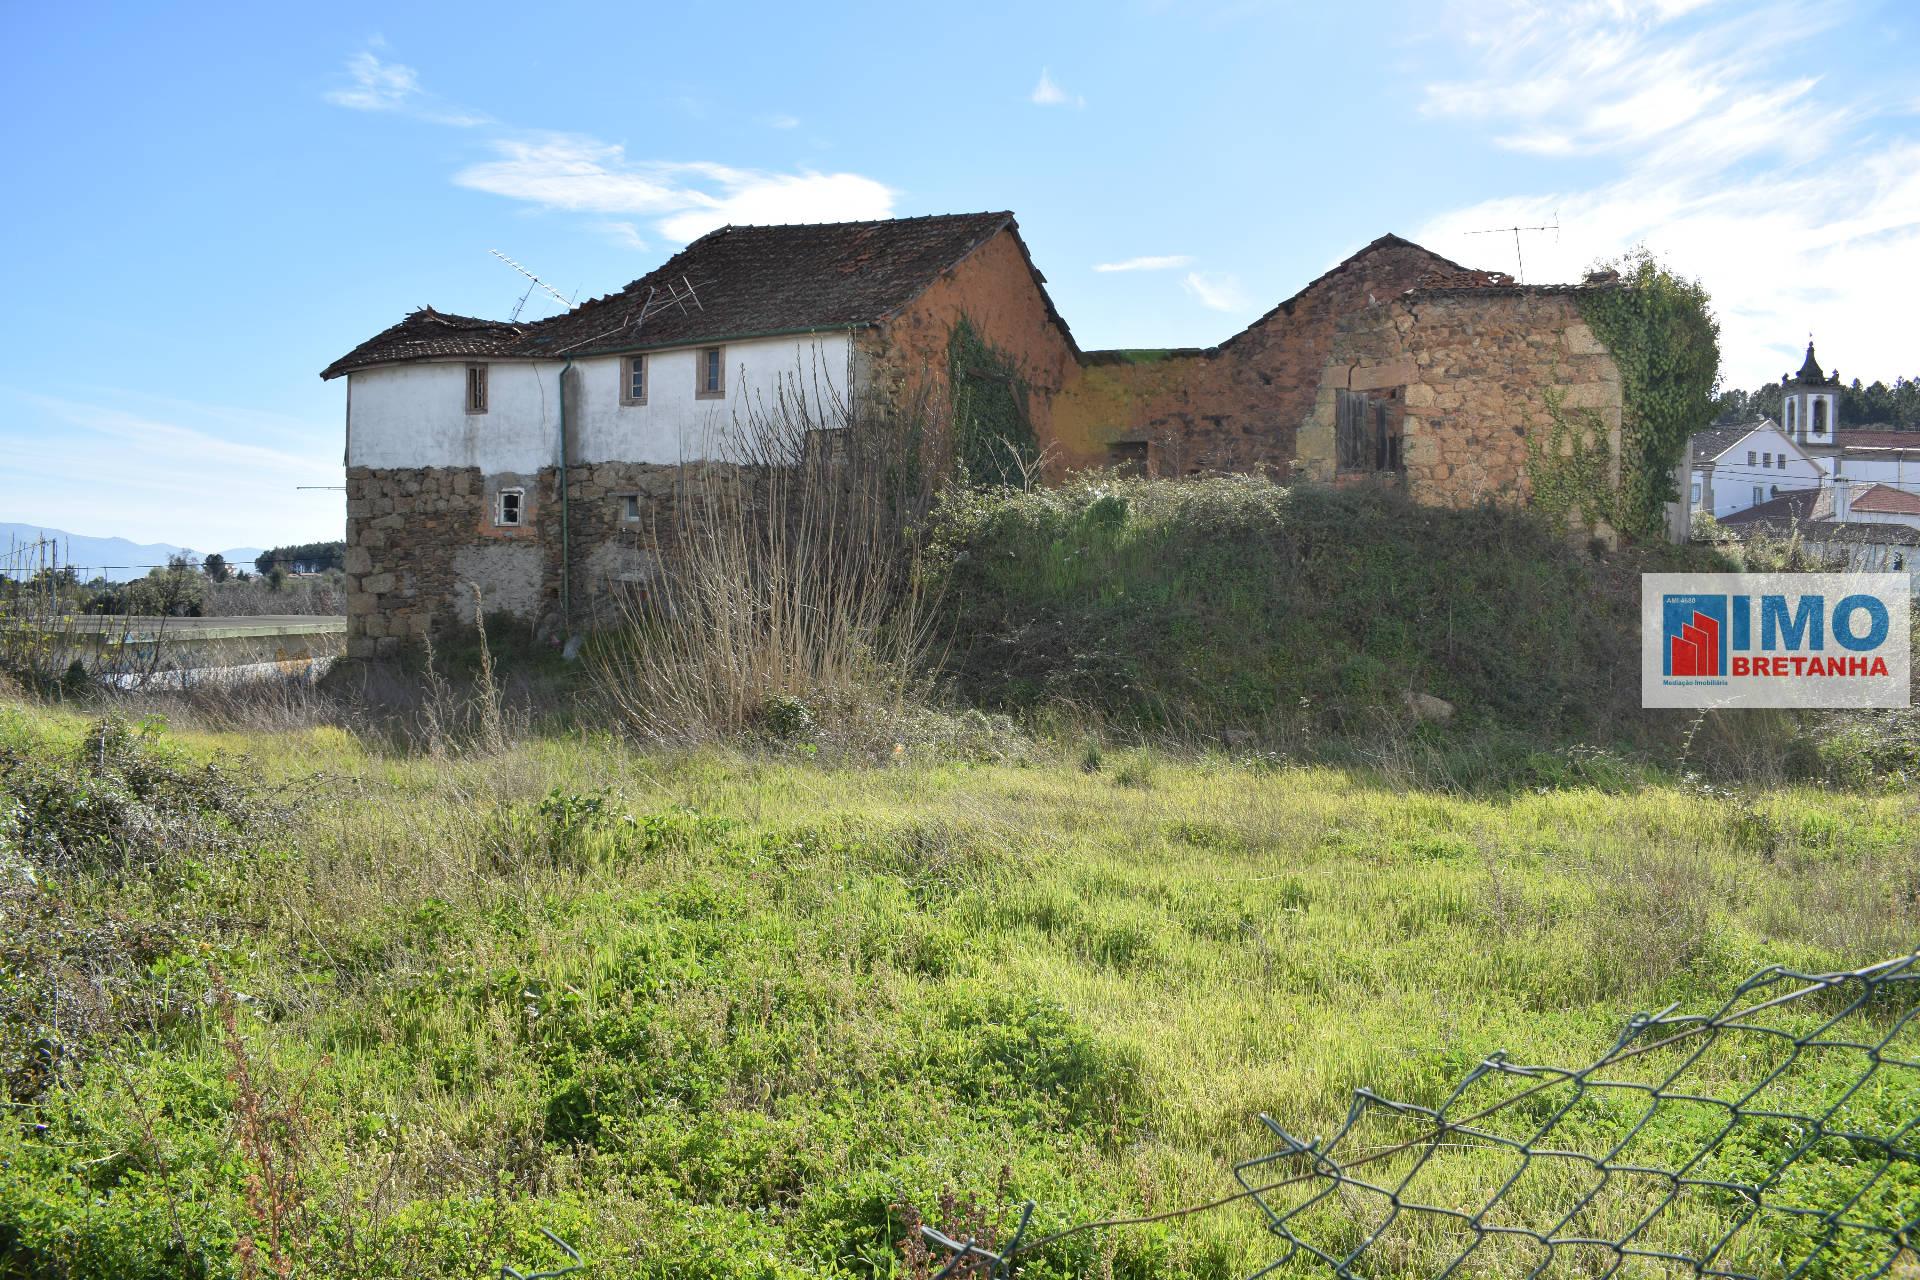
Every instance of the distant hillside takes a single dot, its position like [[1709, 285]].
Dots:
[[115, 559]]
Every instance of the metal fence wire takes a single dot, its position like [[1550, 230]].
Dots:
[[1771, 1139]]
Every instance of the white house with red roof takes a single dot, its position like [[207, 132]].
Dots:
[[1742, 466]]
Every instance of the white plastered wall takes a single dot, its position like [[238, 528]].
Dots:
[[414, 415]]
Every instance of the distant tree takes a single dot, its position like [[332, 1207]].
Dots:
[[215, 567], [303, 557], [57, 576], [1873, 404], [177, 591]]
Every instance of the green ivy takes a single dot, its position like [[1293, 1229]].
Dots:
[[994, 441], [1570, 465], [1666, 342]]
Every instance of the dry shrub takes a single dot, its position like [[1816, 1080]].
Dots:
[[791, 587], [472, 719]]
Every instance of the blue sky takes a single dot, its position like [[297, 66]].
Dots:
[[208, 204]]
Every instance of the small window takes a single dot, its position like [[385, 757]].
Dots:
[[630, 508], [633, 380], [1757, 499], [1775, 492], [1820, 416], [1696, 493], [476, 388], [712, 374], [510, 508], [1752, 457], [1128, 457]]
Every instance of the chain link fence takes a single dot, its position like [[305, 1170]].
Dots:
[[1771, 1139]]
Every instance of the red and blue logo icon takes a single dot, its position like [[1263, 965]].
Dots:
[[1695, 635]]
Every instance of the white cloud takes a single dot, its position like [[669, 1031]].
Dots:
[[1730, 163], [581, 174], [1593, 77], [1163, 262], [377, 85], [1048, 94], [154, 470], [624, 234], [783, 122], [394, 86], [1216, 290]]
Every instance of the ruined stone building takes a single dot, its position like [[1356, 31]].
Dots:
[[530, 459]]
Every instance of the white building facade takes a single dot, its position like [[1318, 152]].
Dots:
[[1735, 468]]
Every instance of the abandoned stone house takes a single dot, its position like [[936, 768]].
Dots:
[[531, 459]]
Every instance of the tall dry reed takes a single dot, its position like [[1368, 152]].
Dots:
[[789, 583]]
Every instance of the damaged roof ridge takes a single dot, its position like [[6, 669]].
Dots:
[[1387, 241]]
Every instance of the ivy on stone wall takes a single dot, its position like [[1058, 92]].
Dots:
[[1664, 337], [1569, 466], [993, 434]]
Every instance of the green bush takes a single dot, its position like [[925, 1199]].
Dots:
[[1237, 604]]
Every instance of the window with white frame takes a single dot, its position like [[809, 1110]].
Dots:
[[633, 380], [1696, 493], [1752, 457], [510, 508], [1757, 499], [630, 508]]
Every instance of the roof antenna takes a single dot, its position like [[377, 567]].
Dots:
[[1519, 262], [676, 295], [559, 297]]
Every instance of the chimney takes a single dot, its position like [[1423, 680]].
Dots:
[[1842, 500]]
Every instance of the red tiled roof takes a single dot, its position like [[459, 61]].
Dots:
[[1886, 498], [750, 282], [1877, 439]]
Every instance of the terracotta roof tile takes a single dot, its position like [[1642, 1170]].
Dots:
[[1877, 439], [749, 281], [1886, 498]]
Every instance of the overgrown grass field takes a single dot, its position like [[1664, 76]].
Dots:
[[322, 1010]]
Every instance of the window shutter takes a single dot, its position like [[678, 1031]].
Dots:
[[1352, 445]]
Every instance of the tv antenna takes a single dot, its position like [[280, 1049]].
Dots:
[[675, 295], [538, 283], [1519, 262]]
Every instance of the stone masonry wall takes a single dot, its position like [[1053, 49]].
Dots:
[[417, 536], [420, 539], [1471, 371], [994, 289], [613, 553], [1235, 407]]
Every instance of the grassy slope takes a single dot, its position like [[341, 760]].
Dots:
[[1235, 604], [715, 1020]]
